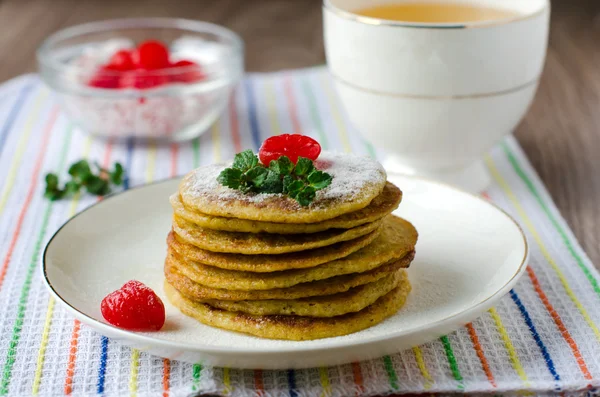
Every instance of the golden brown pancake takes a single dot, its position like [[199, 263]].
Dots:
[[329, 286], [356, 182], [350, 301], [292, 327], [264, 243], [269, 263], [381, 206], [396, 240]]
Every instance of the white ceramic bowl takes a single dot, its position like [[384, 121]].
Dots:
[[437, 96]]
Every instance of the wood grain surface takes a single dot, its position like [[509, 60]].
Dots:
[[561, 133]]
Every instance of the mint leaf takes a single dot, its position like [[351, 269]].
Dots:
[[292, 186], [272, 184], [71, 188], [80, 170], [231, 178], [256, 175], [51, 182], [96, 185], [300, 181], [282, 166], [306, 196], [319, 179], [303, 167], [245, 160], [116, 177]]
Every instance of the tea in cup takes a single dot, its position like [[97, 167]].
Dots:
[[436, 83]]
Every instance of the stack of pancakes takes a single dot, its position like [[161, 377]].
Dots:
[[264, 265]]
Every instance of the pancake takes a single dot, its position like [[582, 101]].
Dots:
[[293, 327], [356, 182], [381, 206], [264, 243], [396, 242], [328, 286], [393, 240], [269, 263], [350, 301]]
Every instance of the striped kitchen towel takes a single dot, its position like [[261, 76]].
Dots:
[[542, 338]]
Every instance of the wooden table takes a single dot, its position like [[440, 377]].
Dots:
[[561, 133]]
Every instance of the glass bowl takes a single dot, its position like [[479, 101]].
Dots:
[[179, 109]]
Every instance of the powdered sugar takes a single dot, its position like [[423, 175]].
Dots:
[[351, 174]]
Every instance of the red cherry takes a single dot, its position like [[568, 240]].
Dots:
[[151, 55], [104, 78], [290, 145], [121, 61], [192, 72], [134, 307], [142, 80]]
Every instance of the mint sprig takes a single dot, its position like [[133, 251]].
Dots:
[[300, 181], [82, 176]]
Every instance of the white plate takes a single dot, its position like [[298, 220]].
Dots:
[[469, 255]]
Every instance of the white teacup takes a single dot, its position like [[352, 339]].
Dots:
[[437, 96]]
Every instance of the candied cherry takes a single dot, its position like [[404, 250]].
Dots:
[[121, 61], [142, 80], [151, 55], [104, 78], [134, 307], [290, 145], [192, 72]]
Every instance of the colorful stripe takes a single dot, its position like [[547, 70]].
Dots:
[[18, 325], [29, 197], [391, 372], [510, 348], [174, 159], [50, 311], [423, 368], [196, 151], [216, 143], [533, 232], [102, 368], [196, 372], [134, 370], [314, 113], [324, 377], [227, 380], [252, 118], [128, 165], [452, 361], [73, 346], [289, 94], [536, 336], [13, 113], [166, 379], [234, 124], [479, 350], [272, 108], [519, 171], [559, 324], [291, 378], [259, 386], [358, 378], [22, 145], [151, 162], [37, 377], [335, 112]]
